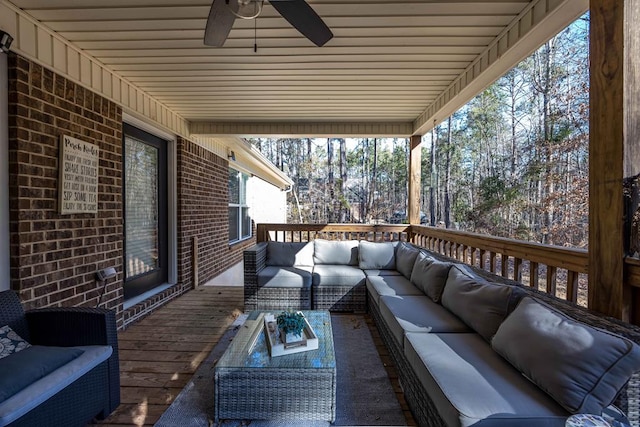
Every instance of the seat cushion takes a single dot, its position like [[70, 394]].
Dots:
[[581, 367], [288, 254], [471, 385], [405, 258], [417, 313], [480, 304], [381, 273], [337, 275], [285, 277], [335, 252], [43, 389], [390, 285], [20, 369]]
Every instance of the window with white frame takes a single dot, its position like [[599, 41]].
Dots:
[[239, 219]]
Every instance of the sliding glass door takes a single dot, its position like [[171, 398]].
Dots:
[[145, 211]]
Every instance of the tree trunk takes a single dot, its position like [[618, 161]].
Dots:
[[344, 206], [432, 195], [447, 178]]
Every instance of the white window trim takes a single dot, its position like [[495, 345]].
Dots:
[[238, 205]]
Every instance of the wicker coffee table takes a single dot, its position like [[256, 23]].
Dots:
[[254, 386]]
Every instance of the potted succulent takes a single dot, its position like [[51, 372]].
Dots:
[[291, 325]]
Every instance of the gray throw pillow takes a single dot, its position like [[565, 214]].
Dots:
[[430, 276], [480, 304], [283, 254], [336, 252], [581, 367], [11, 342], [377, 255], [405, 258]]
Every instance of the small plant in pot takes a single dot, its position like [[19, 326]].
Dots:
[[291, 325]]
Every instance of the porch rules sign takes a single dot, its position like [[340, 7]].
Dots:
[[78, 190]]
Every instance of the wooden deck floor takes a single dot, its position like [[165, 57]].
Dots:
[[159, 354]]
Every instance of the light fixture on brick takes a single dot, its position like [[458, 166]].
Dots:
[[5, 41], [231, 155]]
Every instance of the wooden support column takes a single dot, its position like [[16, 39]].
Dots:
[[415, 167], [612, 150]]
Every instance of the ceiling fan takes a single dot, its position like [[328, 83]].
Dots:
[[300, 15]]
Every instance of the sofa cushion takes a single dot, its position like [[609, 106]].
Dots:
[[417, 313], [43, 389], [405, 258], [471, 385], [337, 252], [381, 273], [480, 304], [430, 276], [581, 367], [377, 255], [337, 275], [390, 285], [285, 277], [289, 254], [11, 342], [25, 367]]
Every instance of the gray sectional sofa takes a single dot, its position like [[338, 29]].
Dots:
[[471, 348]]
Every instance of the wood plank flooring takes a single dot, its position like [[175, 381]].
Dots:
[[159, 354]]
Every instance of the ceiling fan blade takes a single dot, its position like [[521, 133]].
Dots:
[[304, 19], [219, 23]]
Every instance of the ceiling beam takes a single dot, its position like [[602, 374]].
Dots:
[[302, 129]]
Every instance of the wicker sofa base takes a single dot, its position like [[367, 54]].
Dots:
[[340, 298], [265, 298], [421, 405]]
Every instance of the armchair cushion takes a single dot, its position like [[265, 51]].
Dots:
[[31, 364]]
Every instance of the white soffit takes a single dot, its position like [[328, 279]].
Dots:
[[392, 68]]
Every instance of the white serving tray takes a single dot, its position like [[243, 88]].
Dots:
[[278, 348]]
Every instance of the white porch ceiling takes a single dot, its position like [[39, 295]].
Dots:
[[391, 62]]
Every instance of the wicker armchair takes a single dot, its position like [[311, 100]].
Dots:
[[95, 394]]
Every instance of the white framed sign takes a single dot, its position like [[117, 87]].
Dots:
[[78, 181]]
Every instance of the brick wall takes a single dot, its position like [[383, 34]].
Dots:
[[54, 257], [203, 212]]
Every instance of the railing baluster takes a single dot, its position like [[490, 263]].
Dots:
[[533, 274], [492, 262], [572, 286], [483, 254], [517, 269], [504, 265], [552, 273]]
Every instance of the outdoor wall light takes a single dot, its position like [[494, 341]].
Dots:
[[231, 155], [105, 274], [5, 41]]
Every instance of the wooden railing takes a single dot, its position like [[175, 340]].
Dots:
[[308, 232], [556, 270]]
